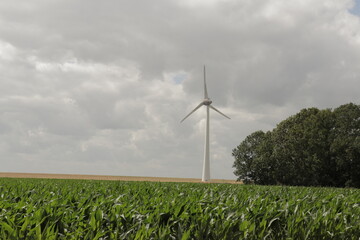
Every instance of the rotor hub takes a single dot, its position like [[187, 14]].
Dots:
[[207, 101]]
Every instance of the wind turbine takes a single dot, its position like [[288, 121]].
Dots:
[[206, 102]]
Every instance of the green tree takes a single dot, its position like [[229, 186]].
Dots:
[[345, 146], [312, 148], [300, 147], [245, 156], [252, 159], [265, 167]]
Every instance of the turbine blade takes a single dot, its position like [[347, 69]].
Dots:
[[197, 107], [205, 88], [218, 111]]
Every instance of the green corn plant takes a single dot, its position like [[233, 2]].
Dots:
[[86, 209]]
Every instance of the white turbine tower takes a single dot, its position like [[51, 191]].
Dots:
[[206, 102]]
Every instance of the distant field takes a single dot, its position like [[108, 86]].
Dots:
[[106, 177]]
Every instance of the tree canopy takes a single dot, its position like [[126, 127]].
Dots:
[[311, 148]]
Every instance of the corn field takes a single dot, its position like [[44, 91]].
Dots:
[[88, 209]]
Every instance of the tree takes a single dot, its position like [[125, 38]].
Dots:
[[345, 146], [300, 146], [312, 147], [245, 156], [252, 159]]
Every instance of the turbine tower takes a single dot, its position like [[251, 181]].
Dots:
[[206, 102]]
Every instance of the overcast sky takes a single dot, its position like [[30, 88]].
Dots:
[[100, 87]]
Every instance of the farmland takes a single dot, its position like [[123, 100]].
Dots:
[[108, 177], [90, 209]]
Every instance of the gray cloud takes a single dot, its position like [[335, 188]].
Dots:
[[99, 88]]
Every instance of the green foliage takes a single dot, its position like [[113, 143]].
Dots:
[[312, 148], [345, 147], [83, 209], [251, 159]]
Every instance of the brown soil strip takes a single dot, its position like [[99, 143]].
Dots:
[[106, 177]]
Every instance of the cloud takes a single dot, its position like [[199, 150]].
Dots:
[[7, 51], [100, 88]]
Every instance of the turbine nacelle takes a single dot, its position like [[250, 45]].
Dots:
[[207, 102]]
